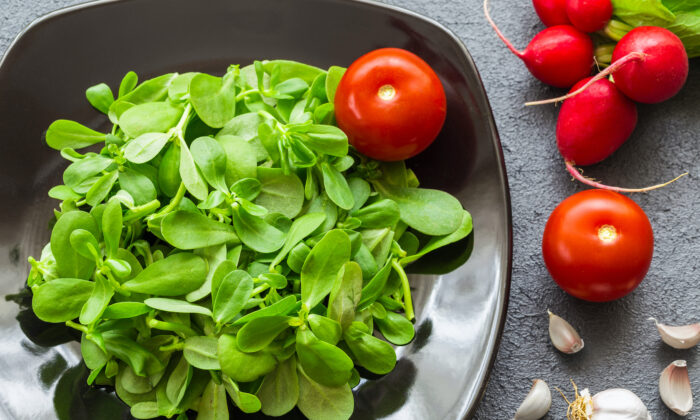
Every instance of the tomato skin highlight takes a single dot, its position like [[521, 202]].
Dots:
[[598, 245], [391, 104]]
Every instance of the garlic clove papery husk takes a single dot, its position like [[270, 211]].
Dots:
[[674, 388], [618, 404], [611, 404], [537, 402], [679, 337], [564, 337]]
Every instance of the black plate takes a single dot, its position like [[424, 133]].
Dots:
[[442, 373]]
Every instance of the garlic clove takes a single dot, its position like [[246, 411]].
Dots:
[[679, 337], [564, 337], [611, 404], [537, 402], [674, 387], [618, 404]]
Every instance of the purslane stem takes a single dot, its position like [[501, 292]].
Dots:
[[406, 287]]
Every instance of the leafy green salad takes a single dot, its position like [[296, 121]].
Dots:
[[226, 243]]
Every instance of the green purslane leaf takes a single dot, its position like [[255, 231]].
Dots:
[[260, 332], [432, 212], [180, 86], [66, 133], [61, 299], [191, 177], [176, 305], [214, 98], [212, 405], [241, 161], [279, 391], [85, 244], [145, 147], [323, 362], [112, 227], [200, 352], [210, 158], [254, 232], [128, 83], [188, 230], [320, 402], [337, 187], [83, 169], [240, 366], [100, 96], [97, 302], [70, 263], [345, 295], [101, 188], [302, 227], [175, 275], [282, 307], [396, 328], [231, 295], [152, 90], [373, 354], [325, 329], [280, 193], [465, 228], [322, 266], [123, 310], [169, 179], [246, 402], [326, 139], [178, 381], [149, 117]]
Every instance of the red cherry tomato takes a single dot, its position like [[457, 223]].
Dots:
[[598, 245], [391, 104]]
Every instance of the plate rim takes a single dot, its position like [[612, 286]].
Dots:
[[497, 327]]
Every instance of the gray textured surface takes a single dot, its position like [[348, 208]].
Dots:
[[622, 347]]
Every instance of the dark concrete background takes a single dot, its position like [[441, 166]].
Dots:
[[622, 347]]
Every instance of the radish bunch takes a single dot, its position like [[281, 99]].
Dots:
[[649, 65]]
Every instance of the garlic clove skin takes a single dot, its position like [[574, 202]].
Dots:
[[674, 388], [564, 337], [618, 404], [679, 337], [537, 402]]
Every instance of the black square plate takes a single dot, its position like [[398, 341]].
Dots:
[[442, 373]]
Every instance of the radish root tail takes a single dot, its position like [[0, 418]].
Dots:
[[579, 177], [635, 56], [499, 33]]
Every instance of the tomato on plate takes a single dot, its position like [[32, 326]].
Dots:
[[598, 245], [391, 104]]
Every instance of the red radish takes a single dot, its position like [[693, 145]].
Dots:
[[551, 12], [589, 15], [559, 56], [657, 76], [649, 65], [592, 125]]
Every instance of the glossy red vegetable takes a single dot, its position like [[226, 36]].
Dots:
[[595, 123], [589, 15], [598, 245], [649, 65], [559, 56], [551, 12], [391, 104], [659, 73]]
